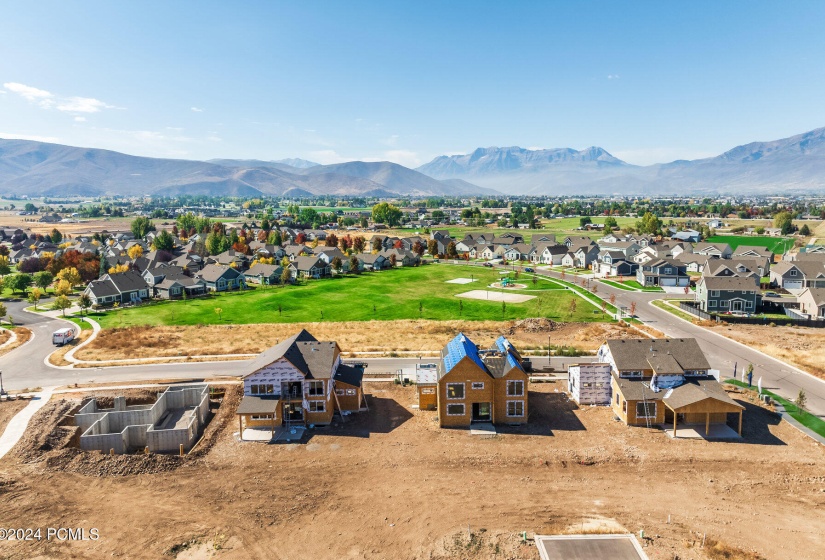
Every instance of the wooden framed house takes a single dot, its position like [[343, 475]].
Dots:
[[301, 381], [476, 385], [666, 382]]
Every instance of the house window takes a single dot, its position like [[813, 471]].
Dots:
[[317, 406], [351, 392], [712, 303], [515, 408], [714, 293], [428, 390], [792, 272], [630, 374], [478, 385], [262, 389], [455, 391], [668, 271], [515, 388], [339, 392], [315, 388], [617, 398], [261, 417], [645, 410], [748, 305], [455, 410], [624, 407], [723, 303]]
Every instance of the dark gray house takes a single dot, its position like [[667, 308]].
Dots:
[[219, 278], [723, 294], [663, 272], [122, 288]]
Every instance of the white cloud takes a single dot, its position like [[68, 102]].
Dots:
[[82, 105], [196, 110], [649, 156], [612, 76], [32, 137], [48, 100], [80, 119], [28, 92], [327, 157]]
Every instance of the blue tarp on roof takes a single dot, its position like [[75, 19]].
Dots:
[[504, 346], [458, 348]]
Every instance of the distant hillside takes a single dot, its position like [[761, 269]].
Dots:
[[795, 164], [38, 168]]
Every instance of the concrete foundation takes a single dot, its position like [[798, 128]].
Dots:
[[175, 419]]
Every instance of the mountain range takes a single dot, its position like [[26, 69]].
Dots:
[[38, 169], [795, 164], [789, 165]]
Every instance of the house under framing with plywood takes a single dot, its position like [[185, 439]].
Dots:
[[301, 381], [666, 382], [480, 385]]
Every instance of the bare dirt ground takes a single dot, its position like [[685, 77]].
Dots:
[[800, 346], [8, 409], [23, 336], [390, 484], [371, 336]]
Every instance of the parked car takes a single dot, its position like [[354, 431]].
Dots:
[[529, 269], [488, 265], [771, 294]]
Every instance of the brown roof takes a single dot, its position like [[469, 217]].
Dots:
[[309, 356], [258, 405], [664, 364], [693, 392], [632, 354]]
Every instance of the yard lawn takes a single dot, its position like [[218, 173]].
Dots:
[[776, 244], [388, 295], [805, 418]]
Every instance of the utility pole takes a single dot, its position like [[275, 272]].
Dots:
[[2, 391]]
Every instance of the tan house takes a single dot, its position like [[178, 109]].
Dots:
[[475, 385], [301, 381], [666, 382]]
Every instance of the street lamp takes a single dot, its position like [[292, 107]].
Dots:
[[2, 391]]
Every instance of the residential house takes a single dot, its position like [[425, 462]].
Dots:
[[762, 255], [812, 302], [693, 262], [122, 288], [722, 294], [691, 236], [663, 272], [666, 382], [718, 250], [551, 254], [300, 382], [518, 252], [628, 249], [402, 257], [221, 278], [156, 275], [614, 263], [796, 275], [174, 287], [231, 258], [309, 267], [740, 268], [370, 261], [481, 385], [264, 274]]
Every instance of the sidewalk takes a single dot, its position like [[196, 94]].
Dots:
[[17, 426]]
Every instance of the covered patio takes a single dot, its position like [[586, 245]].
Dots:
[[701, 404], [258, 412]]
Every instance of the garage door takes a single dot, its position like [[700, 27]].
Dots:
[[793, 285], [667, 282]]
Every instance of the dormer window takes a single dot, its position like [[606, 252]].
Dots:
[[793, 272]]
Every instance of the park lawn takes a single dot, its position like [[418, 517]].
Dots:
[[388, 295], [84, 326], [805, 418], [636, 285], [776, 244]]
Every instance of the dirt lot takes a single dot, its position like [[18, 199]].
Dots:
[[23, 336], [8, 409], [372, 336], [802, 347], [390, 484]]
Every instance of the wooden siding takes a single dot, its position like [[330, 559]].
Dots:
[[465, 371], [427, 397], [500, 397], [347, 402]]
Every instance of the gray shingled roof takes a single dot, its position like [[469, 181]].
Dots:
[[729, 283], [632, 354]]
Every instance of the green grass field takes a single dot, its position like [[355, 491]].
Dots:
[[805, 418], [388, 295], [776, 244]]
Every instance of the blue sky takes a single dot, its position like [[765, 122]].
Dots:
[[406, 81]]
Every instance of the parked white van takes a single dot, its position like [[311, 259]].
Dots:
[[63, 336]]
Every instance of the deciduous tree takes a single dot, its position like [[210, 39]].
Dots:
[[62, 303]]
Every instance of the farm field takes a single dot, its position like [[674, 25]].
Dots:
[[384, 473], [776, 244], [404, 293]]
